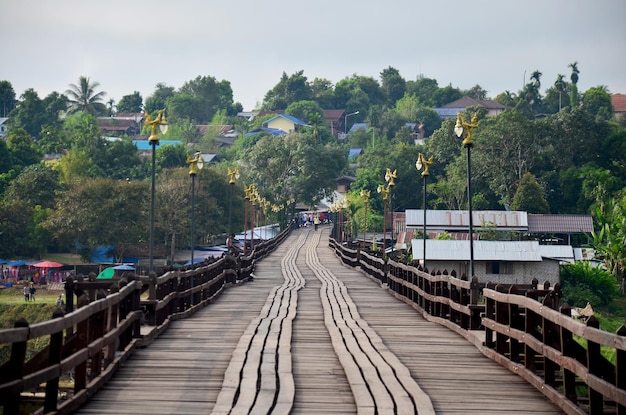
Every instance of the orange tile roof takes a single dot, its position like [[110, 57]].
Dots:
[[619, 102]]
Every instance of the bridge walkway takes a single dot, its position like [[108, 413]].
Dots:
[[311, 336]]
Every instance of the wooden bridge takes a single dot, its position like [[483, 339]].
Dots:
[[309, 334]]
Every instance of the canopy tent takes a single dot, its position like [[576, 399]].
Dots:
[[106, 273], [17, 263], [47, 264], [124, 267]]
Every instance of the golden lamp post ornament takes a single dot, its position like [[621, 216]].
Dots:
[[423, 164], [385, 190], [195, 165], [159, 121], [233, 176], [154, 141], [462, 127]]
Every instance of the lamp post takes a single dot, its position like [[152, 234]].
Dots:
[[463, 128], [423, 165], [154, 141], [385, 190], [233, 176], [365, 194], [345, 123], [195, 165]]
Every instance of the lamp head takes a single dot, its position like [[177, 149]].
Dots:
[[199, 161], [458, 128], [419, 163]]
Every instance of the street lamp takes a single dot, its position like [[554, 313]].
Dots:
[[423, 164], [463, 127], [233, 176], [385, 190], [154, 141], [195, 165], [365, 194], [345, 124]]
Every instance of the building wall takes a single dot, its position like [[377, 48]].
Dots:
[[520, 272], [281, 124]]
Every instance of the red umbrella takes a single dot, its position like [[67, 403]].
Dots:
[[47, 264]]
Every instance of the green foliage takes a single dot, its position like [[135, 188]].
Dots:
[[84, 98], [529, 196], [130, 103], [583, 283]]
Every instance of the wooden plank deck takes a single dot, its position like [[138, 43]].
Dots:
[[311, 336]]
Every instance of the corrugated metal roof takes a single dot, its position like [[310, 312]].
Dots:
[[559, 223], [452, 250], [563, 252], [459, 219]]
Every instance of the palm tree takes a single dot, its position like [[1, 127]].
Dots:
[[82, 97], [575, 72], [574, 77], [559, 85]]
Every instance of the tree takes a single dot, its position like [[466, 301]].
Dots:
[[304, 110], [102, 212], [28, 114], [131, 103], [37, 184], [574, 87], [597, 102], [23, 150], [559, 86], [7, 98], [529, 196], [609, 240], [424, 89], [158, 98], [289, 89], [393, 85], [83, 97], [477, 92]]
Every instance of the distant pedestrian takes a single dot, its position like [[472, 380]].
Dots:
[[32, 291], [60, 301], [316, 221], [26, 293]]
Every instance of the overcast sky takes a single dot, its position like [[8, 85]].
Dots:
[[132, 45]]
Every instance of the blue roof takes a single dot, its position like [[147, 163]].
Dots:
[[272, 131], [291, 118], [143, 145], [448, 112]]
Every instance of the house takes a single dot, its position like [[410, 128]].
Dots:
[[453, 108], [500, 262], [3, 126], [344, 183], [123, 123], [507, 261], [284, 122], [335, 119], [619, 105]]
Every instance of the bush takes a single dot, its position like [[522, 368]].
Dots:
[[582, 283]]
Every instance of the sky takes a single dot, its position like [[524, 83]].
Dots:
[[133, 45]]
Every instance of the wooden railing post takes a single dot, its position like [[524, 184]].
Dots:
[[594, 364], [82, 331], [54, 358], [15, 369], [568, 348], [620, 369]]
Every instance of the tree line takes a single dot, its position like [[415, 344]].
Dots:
[[557, 152]]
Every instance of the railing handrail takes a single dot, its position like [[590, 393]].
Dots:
[[516, 321], [104, 332]]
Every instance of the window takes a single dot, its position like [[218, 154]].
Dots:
[[499, 267]]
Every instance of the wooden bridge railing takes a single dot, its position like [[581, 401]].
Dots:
[[111, 320], [523, 328]]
